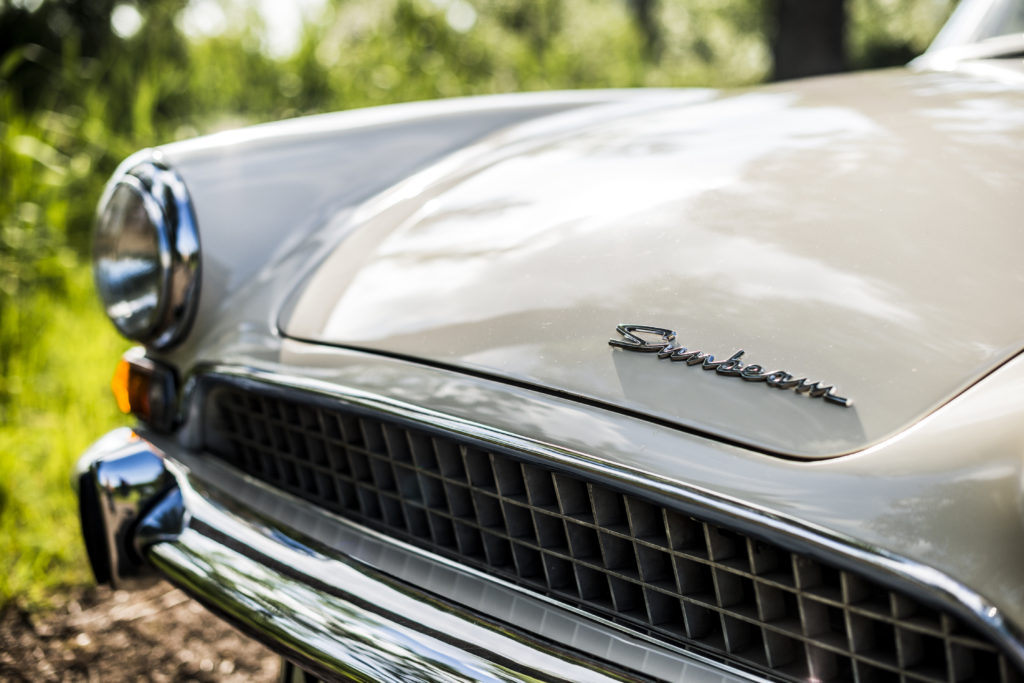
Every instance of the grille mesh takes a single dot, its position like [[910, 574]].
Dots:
[[648, 567]]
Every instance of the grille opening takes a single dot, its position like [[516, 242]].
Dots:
[[653, 569]]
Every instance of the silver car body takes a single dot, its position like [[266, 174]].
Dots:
[[463, 265]]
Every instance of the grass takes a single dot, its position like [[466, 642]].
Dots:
[[59, 382]]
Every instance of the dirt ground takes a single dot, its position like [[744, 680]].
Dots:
[[158, 634]]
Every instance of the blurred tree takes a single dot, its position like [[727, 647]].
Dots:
[[809, 38], [884, 33], [540, 21], [36, 39], [645, 15]]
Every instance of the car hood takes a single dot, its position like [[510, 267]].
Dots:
[[861, 231]]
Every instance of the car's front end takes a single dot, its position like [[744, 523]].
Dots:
[[431, 392]]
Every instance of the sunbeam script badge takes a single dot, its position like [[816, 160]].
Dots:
[[731, 367]]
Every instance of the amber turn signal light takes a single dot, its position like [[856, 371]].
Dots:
[[146, 389], [119, 385]]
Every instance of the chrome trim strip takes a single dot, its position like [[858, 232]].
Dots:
[[337, 616], [883, 566]]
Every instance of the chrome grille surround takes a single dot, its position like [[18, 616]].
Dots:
[[650, 567]]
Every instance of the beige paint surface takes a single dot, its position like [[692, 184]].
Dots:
[[863, 231]]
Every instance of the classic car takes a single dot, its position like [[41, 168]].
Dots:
[[590, 386]]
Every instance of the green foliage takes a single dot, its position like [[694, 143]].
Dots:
[[60, 380], [75, 99], [887, 32]]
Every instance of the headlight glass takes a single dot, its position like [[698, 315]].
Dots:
[[146, 253], [129, 261]]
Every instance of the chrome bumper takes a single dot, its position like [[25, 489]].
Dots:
[[332, 613]]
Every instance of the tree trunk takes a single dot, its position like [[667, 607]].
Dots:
[[809, 38], [645, 15]]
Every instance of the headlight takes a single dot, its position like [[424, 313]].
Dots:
[[146, 253]]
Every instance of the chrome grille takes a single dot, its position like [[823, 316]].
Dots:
[[651, 568]]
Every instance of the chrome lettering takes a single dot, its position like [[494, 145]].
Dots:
[[781, 380], [635, 343], [753, 373], [732, 367], [703, 359], [685, 355], [672, 352]]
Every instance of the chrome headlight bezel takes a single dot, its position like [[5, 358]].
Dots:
[[168, 208]]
